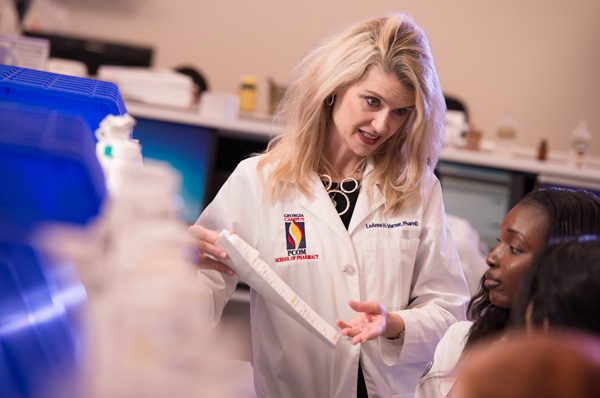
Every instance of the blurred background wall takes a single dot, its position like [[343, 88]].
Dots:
[[537, 59]]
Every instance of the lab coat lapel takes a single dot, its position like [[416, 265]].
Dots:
[[364, 206], [320, 205]]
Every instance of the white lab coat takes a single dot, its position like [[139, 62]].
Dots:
[[440, 377], [407, 262]]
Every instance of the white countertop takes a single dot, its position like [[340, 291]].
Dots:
[[259, 127], [555, 169]]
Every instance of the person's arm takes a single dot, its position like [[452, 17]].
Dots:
[[439, 291], [235, 208]]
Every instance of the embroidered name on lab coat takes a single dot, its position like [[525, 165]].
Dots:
[[395, 225]]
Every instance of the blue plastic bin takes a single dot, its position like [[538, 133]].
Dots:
[[48, 172], [41, 321], [89, 98], [48, 167]]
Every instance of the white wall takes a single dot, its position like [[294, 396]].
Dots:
[[537, 59]]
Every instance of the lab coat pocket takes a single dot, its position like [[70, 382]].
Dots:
[[392, 244], [393, 259]]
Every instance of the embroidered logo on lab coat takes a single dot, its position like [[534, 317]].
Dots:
[[295, 239], [294, 230]]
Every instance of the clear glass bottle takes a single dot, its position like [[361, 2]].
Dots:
[[506, 135], [580, 142]]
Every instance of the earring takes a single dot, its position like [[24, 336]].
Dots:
[[330, 100]]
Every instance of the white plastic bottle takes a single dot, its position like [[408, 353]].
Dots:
[[126, 160], [152, 315], [114, 128]]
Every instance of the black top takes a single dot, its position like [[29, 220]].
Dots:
[[340, 205], [340, 201]]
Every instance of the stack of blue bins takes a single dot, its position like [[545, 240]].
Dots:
[[48, 173]]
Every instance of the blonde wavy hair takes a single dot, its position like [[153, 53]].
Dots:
[[398, 46]]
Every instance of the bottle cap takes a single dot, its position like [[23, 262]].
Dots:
[[249, 80]]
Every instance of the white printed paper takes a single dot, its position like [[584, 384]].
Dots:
[[245, 261]]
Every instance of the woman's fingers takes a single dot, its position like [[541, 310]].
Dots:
[[205, 241], [342, 325], [365, 306], [201, 233], [208, 263]]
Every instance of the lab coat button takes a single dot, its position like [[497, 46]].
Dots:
[[349, 270]]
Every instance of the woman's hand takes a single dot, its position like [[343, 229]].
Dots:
[[369, 324], [205, 241]]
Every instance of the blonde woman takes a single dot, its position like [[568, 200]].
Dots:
[[369, 248]]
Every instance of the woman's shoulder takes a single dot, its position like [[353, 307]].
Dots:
[[438, 378], [251, 165], [250, 161], [455, 336], [459, 329], [453, 342]]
